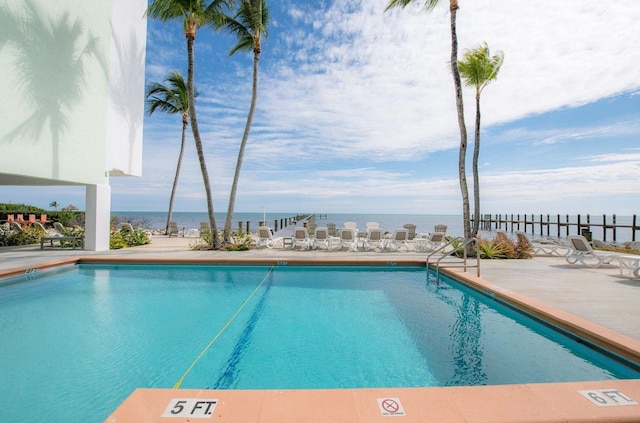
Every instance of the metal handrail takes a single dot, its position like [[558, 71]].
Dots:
[[464, 264]]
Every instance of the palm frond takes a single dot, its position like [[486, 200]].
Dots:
[[166, 10], [170, 98], [249, 25], [427, 7], [478, 68]]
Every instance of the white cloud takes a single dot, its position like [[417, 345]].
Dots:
[[347, 89]]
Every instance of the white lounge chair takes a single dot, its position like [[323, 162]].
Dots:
[[173, 229], [440, 228], [321, 239], [58, 227], [582, 252], [47, 232], [266, 239], [301, 238], [411, 228], [15, 226], [375, 238], [373, 225], [542, 249], [399, 239], [351, 225], [348, 238], [435, 241]]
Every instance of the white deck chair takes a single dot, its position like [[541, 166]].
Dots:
[[375, 238], [321, 240], [266, 239], [301, 238], [58, 227], [411, 228], [15, 226], [582, 252], [435, 241], [47, 232], [348, 239], [173, 229], [542, 249], [351, 225], [373, 225], [440, 228], [399, 239]]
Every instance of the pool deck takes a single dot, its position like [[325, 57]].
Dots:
[[599, 300]]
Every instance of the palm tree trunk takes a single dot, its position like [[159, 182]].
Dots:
[[245, 137], [175, 180], [198, 142], [476, 174], [463, 129]]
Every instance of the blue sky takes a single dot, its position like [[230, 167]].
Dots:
[[356, 112]]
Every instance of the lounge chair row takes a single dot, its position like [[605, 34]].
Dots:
[[349, 238], [580, 251]]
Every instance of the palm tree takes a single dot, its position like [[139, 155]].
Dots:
[[479, 68], [172, 99], [462, 174], [194, 14], [249, 25], [54, 204]]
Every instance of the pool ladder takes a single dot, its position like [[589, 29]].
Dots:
[[457, 244]]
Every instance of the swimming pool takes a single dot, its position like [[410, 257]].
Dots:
[[88, 332]]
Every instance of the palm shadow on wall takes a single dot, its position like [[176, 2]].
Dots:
[[50, 56], [128, 81]]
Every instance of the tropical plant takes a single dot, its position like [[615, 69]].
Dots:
[[249, 25], [54, 204], [453, 9], [496, 248], [478, 68], [240, 241], [523, 250], [194, 14], [172, 99], [27, 236]]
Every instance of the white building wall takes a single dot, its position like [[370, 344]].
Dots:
[[125, 111], [72, 80], [75, 72]]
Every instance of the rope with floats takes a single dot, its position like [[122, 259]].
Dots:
[[215, 338]]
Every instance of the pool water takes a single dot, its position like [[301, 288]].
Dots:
[[76, 342]]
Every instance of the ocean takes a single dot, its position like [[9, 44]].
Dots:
[[388, 222]]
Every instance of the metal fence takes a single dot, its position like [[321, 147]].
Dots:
[[602, 227]]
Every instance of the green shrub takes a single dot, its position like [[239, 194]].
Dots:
[[204, 243], [241, 241], [116, 242], [29, 235], [125, 238]]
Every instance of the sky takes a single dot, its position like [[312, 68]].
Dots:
[[356, 112]]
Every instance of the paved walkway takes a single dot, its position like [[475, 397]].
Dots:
[[599, 295]]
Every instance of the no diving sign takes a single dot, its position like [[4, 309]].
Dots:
[[390, 407]]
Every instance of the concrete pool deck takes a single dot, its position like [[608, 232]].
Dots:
[[599, 298]]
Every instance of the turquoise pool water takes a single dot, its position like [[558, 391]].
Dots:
[[76, 342]]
